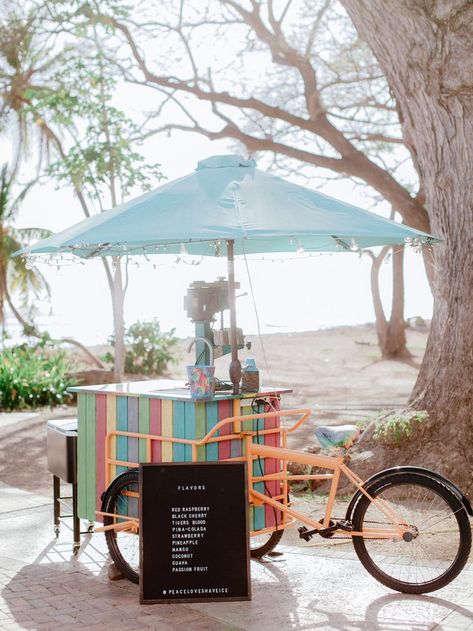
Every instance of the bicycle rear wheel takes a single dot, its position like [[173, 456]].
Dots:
[[437, 545], [123, 545], [265, 543]]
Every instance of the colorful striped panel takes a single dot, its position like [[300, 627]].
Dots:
[[211, 419], [122, 425], [101, 413], [144, 426], [166, 425], [155, 427], [100, 433], [224, 446]]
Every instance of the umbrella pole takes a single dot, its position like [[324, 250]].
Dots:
[[235, 366]]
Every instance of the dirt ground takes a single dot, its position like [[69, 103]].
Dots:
[[337, 372]]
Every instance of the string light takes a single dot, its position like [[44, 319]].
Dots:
[[89, 251], [354, 247]]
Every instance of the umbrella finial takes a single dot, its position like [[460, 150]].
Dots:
[[227, 160]]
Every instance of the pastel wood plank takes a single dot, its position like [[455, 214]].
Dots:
[[200, 426], [247, 426], [100, 433], [133, 426], [144, 425], [91, 460], [166, 420], [155, 427], [211, 419], [81, 456], [111, 427], [122, 425], [224, 446], [189, 428], [258, 470], [133, 446], [271, 465], [236, 445], [178, 431]]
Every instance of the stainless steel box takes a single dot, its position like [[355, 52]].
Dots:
[[62, 448]]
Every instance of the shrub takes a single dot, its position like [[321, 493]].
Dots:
[[33, 376], [149, 350], [397, 428]]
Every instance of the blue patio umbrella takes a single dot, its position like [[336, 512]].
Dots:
[[228, 207]]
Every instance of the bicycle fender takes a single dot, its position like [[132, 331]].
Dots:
[[408, 469]]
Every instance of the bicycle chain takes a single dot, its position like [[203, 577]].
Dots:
[[337, 538]]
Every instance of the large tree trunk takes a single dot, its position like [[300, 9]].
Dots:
[[426, 52]]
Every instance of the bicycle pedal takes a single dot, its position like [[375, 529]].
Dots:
[[304, 533], [344, 524]]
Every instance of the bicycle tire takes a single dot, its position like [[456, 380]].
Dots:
[[441, 558], [127, 480], [268, 546]]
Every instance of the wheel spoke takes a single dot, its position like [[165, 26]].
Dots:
[[440, 535]]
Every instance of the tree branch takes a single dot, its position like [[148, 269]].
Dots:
[[352, 161], [32, 331]]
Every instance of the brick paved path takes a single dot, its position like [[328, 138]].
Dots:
[[43, 587]]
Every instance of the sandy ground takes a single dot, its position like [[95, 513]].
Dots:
[[338, 372]]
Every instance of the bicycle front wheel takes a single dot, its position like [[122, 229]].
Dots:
[[438, 541], [121, 498]]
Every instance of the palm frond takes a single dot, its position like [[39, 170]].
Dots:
[[27, 235], [5, 186], [15, 204]]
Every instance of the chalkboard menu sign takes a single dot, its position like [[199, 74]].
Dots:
[[194, 532]]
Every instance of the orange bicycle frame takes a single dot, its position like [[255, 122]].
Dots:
[[333, 464]]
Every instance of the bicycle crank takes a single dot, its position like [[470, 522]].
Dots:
[[342, 524]]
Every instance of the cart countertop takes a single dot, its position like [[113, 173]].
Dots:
[[167, 389]]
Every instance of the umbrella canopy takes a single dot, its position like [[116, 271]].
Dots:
[[228, 199]]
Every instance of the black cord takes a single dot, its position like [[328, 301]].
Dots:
[[199, 357]]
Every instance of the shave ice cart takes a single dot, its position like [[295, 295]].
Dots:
[[226, 207], [164, 408]]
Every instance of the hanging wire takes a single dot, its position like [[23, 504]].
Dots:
[[266, 363]]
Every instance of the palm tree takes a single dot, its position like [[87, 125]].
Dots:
[[59, 93], [15, 278], [27, 63]]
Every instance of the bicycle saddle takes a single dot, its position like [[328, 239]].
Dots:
[[331, 437]]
